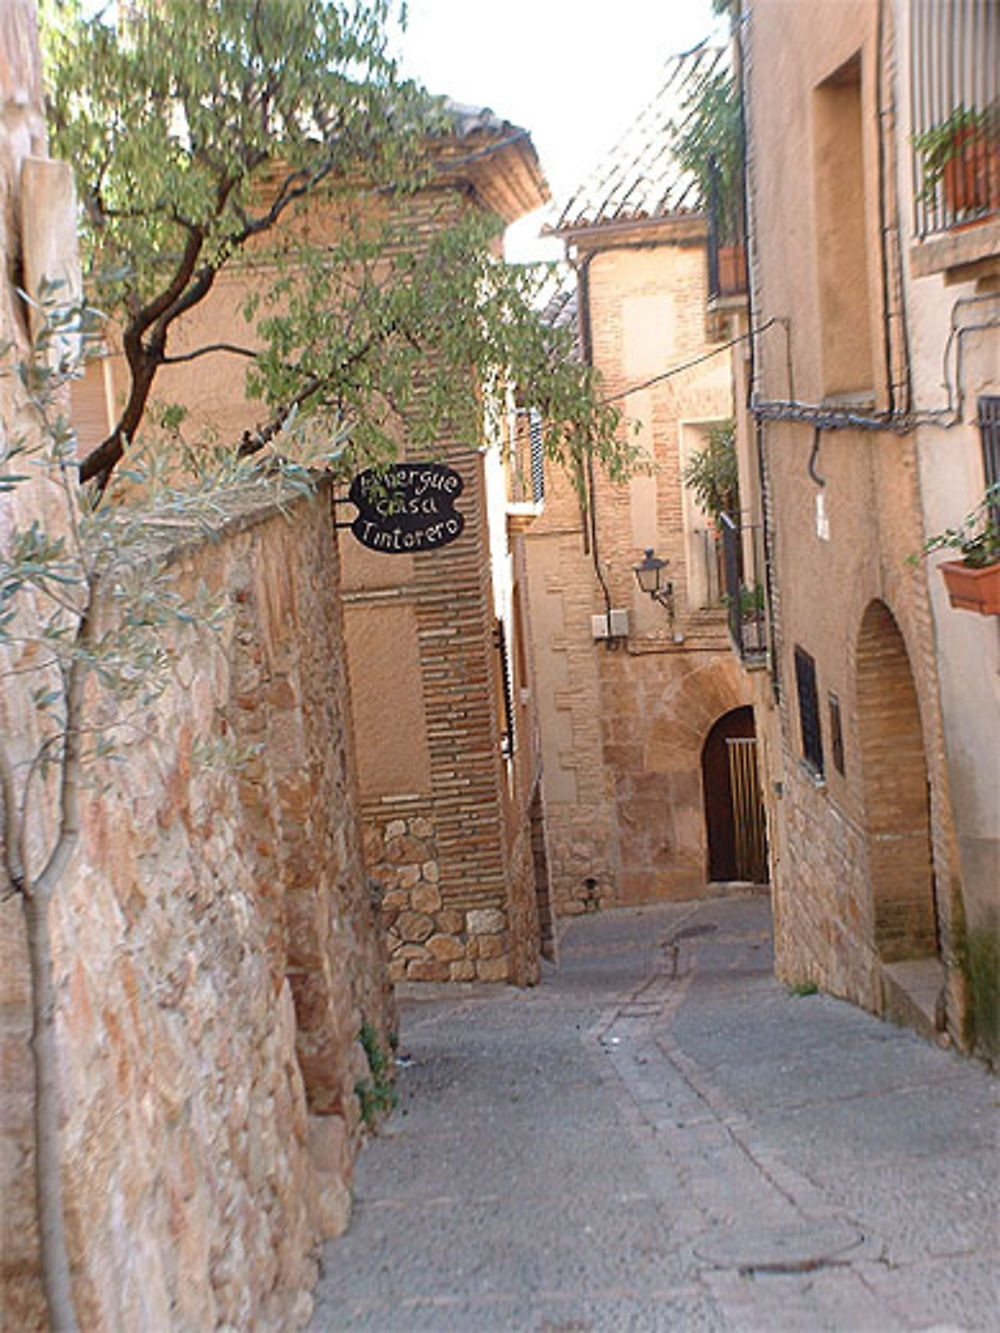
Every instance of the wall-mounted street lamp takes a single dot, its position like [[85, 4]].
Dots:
[[652, 579]]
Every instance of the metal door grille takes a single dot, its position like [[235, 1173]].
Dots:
[[748, 810]]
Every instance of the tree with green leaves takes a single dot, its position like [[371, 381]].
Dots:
[[712, 473], [205, 134], [708, 141]]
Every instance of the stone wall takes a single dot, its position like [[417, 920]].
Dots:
[[425, 672], [217, 951], [623, 723]]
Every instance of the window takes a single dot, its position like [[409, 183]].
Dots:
[[505, 701], [836, 733], [955, 92], [842, 232], [812, 739], [537, 446]]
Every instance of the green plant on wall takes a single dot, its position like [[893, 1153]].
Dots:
[[982, 967], [712, 472], [976, 540], [966, 133], [710, 131], [376, 1094]]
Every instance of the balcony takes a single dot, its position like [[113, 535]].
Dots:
[[955, 140], [727, 250], [743, 576]]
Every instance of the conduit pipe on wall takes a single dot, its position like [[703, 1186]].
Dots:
[[824, 416], [829, 418], [885, 114]]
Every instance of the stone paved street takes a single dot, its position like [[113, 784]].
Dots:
[[661, 1137]]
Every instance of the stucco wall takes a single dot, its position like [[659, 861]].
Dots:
[[848, 507], [952, 480]]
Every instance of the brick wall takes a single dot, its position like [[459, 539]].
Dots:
[[450, 856], [425, 676]]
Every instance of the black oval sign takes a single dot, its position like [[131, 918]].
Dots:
[[406, 508]]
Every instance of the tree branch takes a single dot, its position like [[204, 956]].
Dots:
[[206, 351], [70, 774]]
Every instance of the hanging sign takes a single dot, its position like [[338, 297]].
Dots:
[[406, 508]]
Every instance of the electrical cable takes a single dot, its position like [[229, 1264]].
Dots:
[[695, 361]]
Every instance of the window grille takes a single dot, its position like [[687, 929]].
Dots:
[[537, 455], [836, 734], [812, 738], [507, 724], [989, 434], [955, 104]]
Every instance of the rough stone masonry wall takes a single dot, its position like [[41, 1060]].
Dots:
[[216, 953], [623, 729]]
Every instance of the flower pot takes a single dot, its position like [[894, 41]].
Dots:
[[971, 588], [971, 176], [732, 269]]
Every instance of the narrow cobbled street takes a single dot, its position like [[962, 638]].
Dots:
[[661, 1137]]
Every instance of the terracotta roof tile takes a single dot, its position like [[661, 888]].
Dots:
[[639, 177]]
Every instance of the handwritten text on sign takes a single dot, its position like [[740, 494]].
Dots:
[[406, 507]]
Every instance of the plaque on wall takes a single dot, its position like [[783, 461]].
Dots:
[[406, 508]]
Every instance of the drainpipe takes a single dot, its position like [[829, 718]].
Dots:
[[587, 351], [759, 427]]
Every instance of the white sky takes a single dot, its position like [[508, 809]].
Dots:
[[574, 73]]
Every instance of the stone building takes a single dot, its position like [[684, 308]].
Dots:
[[443, 710], [438, 646], [640, 700], [873, 378]]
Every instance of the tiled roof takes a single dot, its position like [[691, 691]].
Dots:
[[639, 177], [560, 304], [496, 158], [466, 119]]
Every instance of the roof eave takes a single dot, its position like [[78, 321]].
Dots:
[[502, 170], [686, 227]]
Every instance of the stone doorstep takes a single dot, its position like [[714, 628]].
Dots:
[[912, 992]]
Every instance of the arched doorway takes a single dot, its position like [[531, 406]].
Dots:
[[896, 792], [734, 814]]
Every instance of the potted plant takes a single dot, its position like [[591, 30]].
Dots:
[[962, 155], [973, 581], [707, 141]]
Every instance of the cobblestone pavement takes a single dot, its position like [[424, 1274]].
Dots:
[[661, 1137]]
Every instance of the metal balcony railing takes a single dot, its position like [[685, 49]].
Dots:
[[706, 573], [955, 112], [743, 570], [727, 248]]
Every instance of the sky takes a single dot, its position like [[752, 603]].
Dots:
[[574, 73]]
